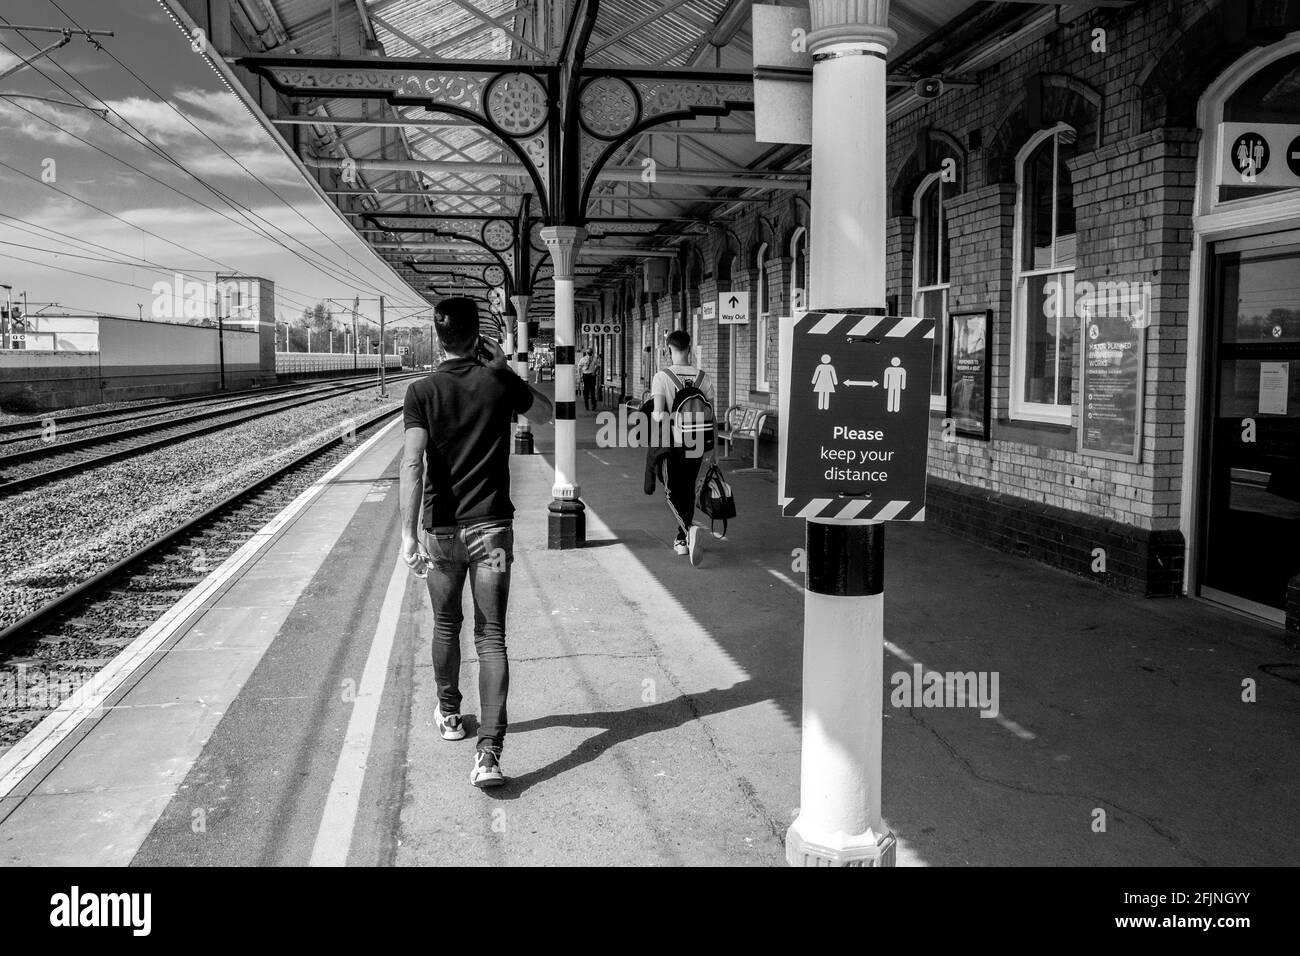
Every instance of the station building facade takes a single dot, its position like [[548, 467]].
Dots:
[[1086, 167]]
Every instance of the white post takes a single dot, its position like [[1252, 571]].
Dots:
[[839, 820], [567, 524], [523, 430]]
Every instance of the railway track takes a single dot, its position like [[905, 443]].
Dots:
[[82, 454], [32, 429], [80, 630]]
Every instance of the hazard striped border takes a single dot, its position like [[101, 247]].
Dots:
[[863, 509], [857, 324]]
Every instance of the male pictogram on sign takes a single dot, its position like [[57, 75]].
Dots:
[[895, 381], [824, 382]]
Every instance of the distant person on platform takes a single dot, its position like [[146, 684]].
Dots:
[[681, 466], [457, 515], [587, 369]]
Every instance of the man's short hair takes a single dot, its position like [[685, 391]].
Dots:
[[679, 339], [456, 322]]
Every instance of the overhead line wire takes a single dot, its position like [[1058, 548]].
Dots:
[[205, 135]]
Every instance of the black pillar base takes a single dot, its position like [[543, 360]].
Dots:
[[524, 443], [566, 525]]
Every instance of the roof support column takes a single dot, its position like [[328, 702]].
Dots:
[[567, 523], [523, 430], [843, 659]]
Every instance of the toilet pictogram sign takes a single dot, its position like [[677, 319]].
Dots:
[[857, 417]]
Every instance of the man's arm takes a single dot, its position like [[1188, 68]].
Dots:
[[541, 411], [658, 393], [411, 492]]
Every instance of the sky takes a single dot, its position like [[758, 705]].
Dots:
[[196, 184]]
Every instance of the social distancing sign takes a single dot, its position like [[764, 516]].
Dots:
[[855, 415]]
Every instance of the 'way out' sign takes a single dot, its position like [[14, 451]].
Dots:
[[733, 308], [855, 415]]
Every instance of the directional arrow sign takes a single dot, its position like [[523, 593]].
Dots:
[[733, 308], [868, 384]]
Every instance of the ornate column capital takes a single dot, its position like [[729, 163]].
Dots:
[[563, 243], [850, 21], [520, 302]]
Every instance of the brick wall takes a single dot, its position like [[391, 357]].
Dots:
[[1134, 182]]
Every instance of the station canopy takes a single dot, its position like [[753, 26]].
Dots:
[[443, 129]]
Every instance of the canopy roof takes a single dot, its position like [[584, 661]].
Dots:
[[404, 154]]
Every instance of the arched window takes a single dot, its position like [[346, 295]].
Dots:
[[930, 275], [762, 321], [1044, 323], [799, 270], [1271, 95]]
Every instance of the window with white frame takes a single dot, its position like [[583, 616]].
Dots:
[[763, 310], [930, 275], [1044, 329]]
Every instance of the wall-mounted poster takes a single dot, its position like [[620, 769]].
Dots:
[[968, 373], [1114, 369]]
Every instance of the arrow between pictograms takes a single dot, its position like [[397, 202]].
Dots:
[[868, 384]]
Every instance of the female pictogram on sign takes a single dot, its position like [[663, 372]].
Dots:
[[824, 382]]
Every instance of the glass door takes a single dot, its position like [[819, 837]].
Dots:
[[1250, 548]]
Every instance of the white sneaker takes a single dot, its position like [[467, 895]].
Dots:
[[487, 769], [694, 545], [450, 726]]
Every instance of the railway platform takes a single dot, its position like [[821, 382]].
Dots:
[[282, 713]]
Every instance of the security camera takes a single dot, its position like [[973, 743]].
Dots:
[[928, 87]]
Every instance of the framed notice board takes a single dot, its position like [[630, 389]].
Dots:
[[1111, 390], [969, 372]]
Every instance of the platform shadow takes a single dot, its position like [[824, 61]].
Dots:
[[621, 726]]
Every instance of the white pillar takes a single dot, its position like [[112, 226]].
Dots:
[[839, 816], [567, 524]]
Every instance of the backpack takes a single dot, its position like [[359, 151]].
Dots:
[[692, 415], [716, 499]]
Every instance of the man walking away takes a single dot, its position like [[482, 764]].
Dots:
[[681, 464], [457, 515]]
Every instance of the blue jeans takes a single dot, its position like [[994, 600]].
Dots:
[[484, 553]]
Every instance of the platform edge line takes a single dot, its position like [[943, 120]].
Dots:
[[338, 821]]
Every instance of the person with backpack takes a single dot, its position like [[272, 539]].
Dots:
[[683, 396]]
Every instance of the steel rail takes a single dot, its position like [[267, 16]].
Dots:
[[65, 602], [277, 405]]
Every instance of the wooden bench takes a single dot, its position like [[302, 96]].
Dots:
[[743, 422]]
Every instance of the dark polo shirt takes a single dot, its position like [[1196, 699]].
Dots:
[[466, 408]]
